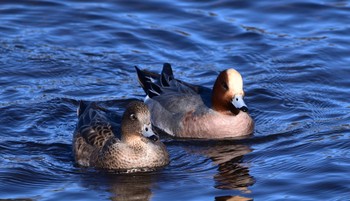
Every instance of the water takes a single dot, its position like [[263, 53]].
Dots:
[[293, 55]]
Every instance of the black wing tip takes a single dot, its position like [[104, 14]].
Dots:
[[141, 78], [167, 70], [166, 75], [139, 74], [150, 88], [154, 90], [168, 65], [81, 107]]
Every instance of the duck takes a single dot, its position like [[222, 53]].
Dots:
[[183, 110], [136, 148]]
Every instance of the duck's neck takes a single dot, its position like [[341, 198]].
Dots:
[[222, 104], [132, 140], [224, 107]]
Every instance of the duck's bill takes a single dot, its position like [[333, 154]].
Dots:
[[238, 102], [153, 138], [148, 133]]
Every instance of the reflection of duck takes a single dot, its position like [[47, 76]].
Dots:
[[232, 198], [138, 187], [120, 187], [228, 156], [134, 188], [179, 109], [96, 145]]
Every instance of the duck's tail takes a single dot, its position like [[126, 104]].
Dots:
[[84, 105], [153, 87], [167, 75], [146, 83], [81, 108]]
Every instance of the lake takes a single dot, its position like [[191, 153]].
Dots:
[[294, 57]]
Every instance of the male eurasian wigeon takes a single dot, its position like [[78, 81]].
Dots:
[[96, 145], [184, 110]]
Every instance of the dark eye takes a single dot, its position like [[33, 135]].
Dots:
[[133, 117], [224, 85]]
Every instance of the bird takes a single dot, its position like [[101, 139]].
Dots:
[[184, 110], [96, 143]]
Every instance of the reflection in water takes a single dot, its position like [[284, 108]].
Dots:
[[232, 174], [296, 69], [131, 187], [232, 198], [121, 187]]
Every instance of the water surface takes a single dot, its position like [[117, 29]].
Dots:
[[293, 55]]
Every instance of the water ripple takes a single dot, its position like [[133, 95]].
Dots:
[[293, 57]]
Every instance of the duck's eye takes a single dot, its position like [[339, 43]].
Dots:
[[133, 117], [224, 85]]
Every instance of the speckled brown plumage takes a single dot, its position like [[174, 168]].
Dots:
[[95, 145]]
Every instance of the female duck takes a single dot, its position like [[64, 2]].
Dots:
[[184, 110], [96, 145]]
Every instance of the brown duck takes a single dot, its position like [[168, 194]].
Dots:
[[96, 145]]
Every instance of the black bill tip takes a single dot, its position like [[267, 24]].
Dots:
[[244, 109], [153, 138]]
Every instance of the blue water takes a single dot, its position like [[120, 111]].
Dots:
[[294, 57]]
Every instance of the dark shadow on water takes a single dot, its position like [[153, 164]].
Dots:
[[122, 187], [131, 187], [231, 174], [221, 160], [232, 198]]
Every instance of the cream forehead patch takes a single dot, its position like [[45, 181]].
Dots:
[[235, 80], [233, 73]]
